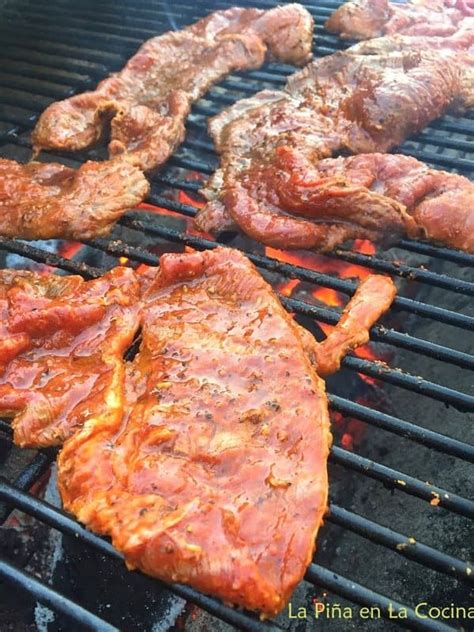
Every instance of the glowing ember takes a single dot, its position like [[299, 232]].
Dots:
[[184, 198], [68, 249], [351, 431], [325, 264], [328, 296]]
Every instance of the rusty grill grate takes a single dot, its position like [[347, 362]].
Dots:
[[51, 49]]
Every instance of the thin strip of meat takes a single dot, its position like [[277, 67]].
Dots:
[[146, 104], [50, 200], [365, 19], [62, 341], [294, 203], [271, 183], [216, 475], [374, 296]]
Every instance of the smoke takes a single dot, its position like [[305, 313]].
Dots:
[[171, 20]]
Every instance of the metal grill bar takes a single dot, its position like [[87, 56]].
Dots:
[[401, 544], [389, 476], [331, 316], [396, 377], [316, 574], [29, 584], [59, 520], [398, 480], [293, 271], [396, 541], [365, 597], [425, 437]]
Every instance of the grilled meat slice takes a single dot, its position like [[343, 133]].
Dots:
[[355, 101], [62, 341], [461, 44], [364, 19], [271, 182], [293, 203], [45, 201], [148, 101], [215, 477]]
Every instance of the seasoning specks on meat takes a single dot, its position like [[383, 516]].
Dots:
[[365, 19], [275, 184]]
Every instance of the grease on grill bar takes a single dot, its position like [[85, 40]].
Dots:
[[50, 50]]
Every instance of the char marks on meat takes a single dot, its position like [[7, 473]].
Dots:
[[273, 183], [62, 341], [365, 19], [45, 201], [146, 104]]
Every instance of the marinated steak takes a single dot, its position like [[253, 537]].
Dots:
[[146, 104], [294, 203], [461, 43], [216, 474], [45, 201], [274, 183], [62, 341], [364, 19]]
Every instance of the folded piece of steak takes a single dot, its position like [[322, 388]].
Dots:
[[273, 183], [216, 475], [364, 19], [62, 341], [146, 104], [295, 203], [50, 200]]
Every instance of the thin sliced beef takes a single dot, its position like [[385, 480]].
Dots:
[[460, 43], [294, 203], [374, 296], [274, 183], [62, 341], [146, 104], [45, 201], [216, 474], [365, 19]]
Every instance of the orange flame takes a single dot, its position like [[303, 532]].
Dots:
[[287, 288]]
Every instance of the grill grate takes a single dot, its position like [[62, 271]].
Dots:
[[51, 49]]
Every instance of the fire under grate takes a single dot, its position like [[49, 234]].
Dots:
[[51, 49]]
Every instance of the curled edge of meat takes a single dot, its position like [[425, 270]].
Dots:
[[380, 197]]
